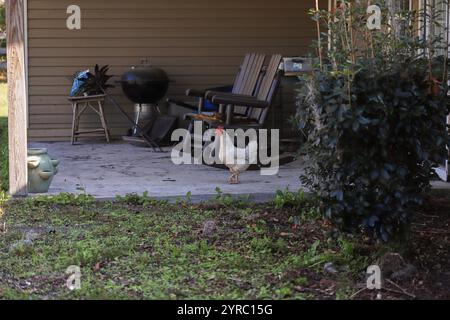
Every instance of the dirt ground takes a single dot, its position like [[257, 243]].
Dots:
[[429, 252]]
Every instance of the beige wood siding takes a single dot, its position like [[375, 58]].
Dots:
[[200, 43]]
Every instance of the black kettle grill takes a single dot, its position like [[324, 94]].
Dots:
[[145, 84]]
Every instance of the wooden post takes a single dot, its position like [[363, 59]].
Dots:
[[17, 100]]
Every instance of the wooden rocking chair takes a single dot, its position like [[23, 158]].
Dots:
[[245, 84], [257, 106]]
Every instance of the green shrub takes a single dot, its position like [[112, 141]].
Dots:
[[375, 117]]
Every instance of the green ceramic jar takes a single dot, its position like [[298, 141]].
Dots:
[[41, 170]]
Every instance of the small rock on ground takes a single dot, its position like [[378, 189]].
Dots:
[[330, 268], [209, 228]]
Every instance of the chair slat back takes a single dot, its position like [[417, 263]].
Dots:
[[240, 76], [267, 88], [248, 76]]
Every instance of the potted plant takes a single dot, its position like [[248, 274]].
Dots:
[[88, 83]]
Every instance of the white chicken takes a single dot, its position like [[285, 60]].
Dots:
[[238, 160]]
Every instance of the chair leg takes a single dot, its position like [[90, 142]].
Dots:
[[230, 111], [221, 109], [201, 105], [103, 120]]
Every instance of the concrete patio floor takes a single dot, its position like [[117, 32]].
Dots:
[[107, 170]]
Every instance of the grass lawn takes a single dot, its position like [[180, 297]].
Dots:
[[137, 248], [3, 138]]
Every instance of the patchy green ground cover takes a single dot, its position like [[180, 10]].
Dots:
[[137, 248]]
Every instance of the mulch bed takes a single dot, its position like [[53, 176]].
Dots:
[[429, 252]]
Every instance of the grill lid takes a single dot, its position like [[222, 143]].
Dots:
[[145, 84], [144, 74]]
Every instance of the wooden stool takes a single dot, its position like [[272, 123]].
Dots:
[[79, 106]]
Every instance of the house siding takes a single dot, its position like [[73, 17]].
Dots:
[[200, 43]]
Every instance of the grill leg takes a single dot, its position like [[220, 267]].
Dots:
[[136, 120]]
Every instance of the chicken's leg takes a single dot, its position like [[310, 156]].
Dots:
[[233, 178]]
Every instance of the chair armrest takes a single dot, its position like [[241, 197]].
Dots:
[[224, 89], [195, 93], [240, 101], [211, 94], [203, 93]]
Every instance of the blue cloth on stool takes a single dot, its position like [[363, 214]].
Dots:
[[78, 82]]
